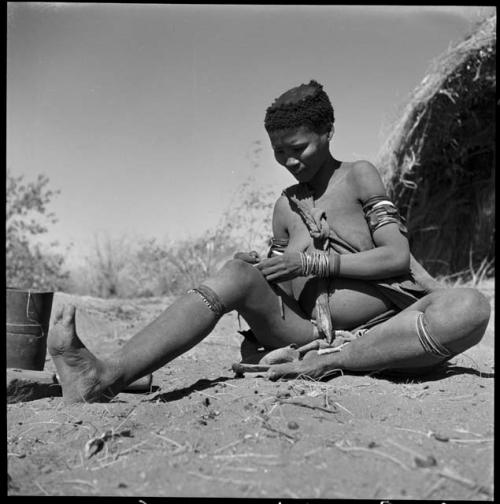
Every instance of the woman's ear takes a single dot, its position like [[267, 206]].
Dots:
[[331, 132]]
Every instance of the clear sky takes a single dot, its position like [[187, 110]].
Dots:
[[146, 116]]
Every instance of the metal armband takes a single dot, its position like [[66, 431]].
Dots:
[[277, 247], [379, 211]]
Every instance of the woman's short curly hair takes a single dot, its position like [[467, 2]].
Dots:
[[304, 105]]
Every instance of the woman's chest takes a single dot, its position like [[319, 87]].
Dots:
[[343, 213]]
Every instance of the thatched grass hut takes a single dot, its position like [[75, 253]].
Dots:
[[439, 161]]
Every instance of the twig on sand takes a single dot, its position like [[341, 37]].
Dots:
[[440, 437], [458, 440], [419, 459], [465, 431], [243, 455], [312, 452], [303, 405], [450, 474], [179, 448], [79, 482], [205, 394], [327, 404], [223, 480], [342, 407], [270, 412], [373, 452], [41, 488], [243, 469], [230, 445], [288, 437], [165, 438], [406, 449], [119, 454], [460, 398], [52, 422], [412, 430], [433, 488], [323, 419], [126, 418]]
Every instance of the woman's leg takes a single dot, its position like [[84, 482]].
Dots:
[[238, 286], [432, 330], [275, 317]]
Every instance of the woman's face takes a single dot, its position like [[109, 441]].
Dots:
[[301, 151]]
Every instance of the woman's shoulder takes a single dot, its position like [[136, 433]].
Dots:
[[366, 178], [362, 168]]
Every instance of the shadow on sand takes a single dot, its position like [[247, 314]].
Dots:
[[434, 374], [440, 372], [202, 384]]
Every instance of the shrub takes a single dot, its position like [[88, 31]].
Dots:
[[125, 268], [28, 265]]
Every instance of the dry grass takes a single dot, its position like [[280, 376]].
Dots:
[[131, 266], [438, 162]]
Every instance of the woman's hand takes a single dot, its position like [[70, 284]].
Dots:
[[281, 267], [251, 257], [312, 366]]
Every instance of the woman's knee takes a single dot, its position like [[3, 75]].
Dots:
[[240, 272], [234, 281], [475, 304], [463, 312], [478, 308]]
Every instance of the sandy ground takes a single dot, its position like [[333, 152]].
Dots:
[[202, 432]]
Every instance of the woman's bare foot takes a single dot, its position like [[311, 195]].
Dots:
[[83, 377]]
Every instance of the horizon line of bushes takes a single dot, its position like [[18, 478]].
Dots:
[[129, 268]]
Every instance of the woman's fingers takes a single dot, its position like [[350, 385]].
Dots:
[[267, 263], [283, 267], [286, 371], [242, 368], [249, 257], [270, 268], [312, 366]]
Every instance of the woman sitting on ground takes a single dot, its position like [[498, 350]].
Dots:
[[339, 289]]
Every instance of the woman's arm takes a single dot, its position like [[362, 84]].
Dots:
[[280, 231], [280, 226], [391, 255], [389, 258]]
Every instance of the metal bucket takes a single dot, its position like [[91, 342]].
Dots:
[[28, 316]]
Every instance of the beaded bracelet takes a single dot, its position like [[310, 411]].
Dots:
[[210, 298]]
